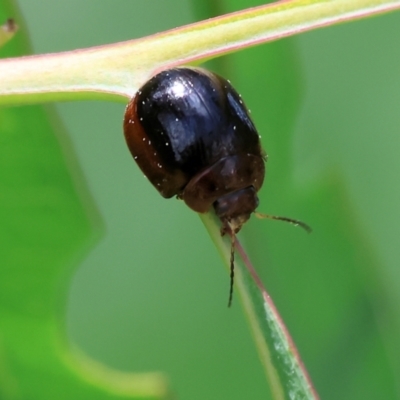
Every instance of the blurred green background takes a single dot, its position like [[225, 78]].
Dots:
[[151, 295]]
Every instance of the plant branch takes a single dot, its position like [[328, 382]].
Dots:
[[283, 367], [114, 72]]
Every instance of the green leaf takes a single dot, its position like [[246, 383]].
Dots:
[[284, 370], [48, 221]]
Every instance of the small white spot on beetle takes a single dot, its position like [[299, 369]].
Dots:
[[176, 119], [141, 119], [167, 144], [135, 158], [234, 127], [139, 92], [155, 154], [149, 142], [144, 139]]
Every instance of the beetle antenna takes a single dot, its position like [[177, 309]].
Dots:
[[294, 222], [232, 267]]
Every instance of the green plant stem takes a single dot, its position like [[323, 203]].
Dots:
[[116, 71], [283, 367]]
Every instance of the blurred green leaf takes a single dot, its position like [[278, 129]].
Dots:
[[48, 221]]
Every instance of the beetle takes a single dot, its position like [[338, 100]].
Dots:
[[191, 134]]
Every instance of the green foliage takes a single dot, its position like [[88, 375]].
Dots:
[[48, 220], [148, 298]]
